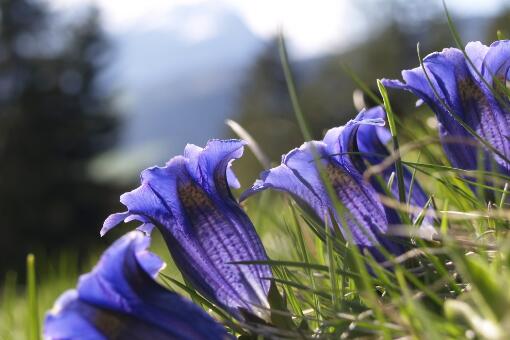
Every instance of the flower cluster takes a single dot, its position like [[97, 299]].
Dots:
[[215, 245]]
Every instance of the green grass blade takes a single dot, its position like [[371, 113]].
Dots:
[[291, 297], [332, 269], [361, 84], [8, 305], [33, 328], [394, 137], [322, 293], [284, 58], [411, 185], [304, 254], [503, 196], [255, 148]]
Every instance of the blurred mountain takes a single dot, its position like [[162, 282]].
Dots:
[[177, 83]]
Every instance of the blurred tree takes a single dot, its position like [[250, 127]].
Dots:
[[53, 121]]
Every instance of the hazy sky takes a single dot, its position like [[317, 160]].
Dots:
[[312, 25]]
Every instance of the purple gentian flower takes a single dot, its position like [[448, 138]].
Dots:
[[471, 94], [366, 220], [368, 144], [344, 154], [120, 299], [206, 230]]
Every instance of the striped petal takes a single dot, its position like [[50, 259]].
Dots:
[[467, 90], [206, 230], [367, 144], [365, 221], [120, 299]]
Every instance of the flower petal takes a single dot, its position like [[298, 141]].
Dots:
[[298, 175], [112, 221], [120, 298], [208, 165], [447, 72], [205, 229], [368, 142], [490, 62]]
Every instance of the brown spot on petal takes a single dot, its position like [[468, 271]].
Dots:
[[469, 90], [108, 323], [191, 195]]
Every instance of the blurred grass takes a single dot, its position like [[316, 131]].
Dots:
[[53, 276]]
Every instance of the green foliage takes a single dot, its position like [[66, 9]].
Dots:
[[394, 136], [23, 306]]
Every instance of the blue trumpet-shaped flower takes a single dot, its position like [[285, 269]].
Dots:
[[471, 91], [343, 155], [206, 230], [120, 299], [366, 220], [367, 144]]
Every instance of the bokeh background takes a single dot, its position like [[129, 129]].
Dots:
[[93, 91]]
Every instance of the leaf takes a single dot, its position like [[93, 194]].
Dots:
[[280, 315]]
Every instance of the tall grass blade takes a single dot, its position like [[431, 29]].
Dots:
[[252, 143], [305, 257], [8, 305], [33, 328], [332, 269], [394, 136], [503, 196], [284, 58], [361, 84]]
